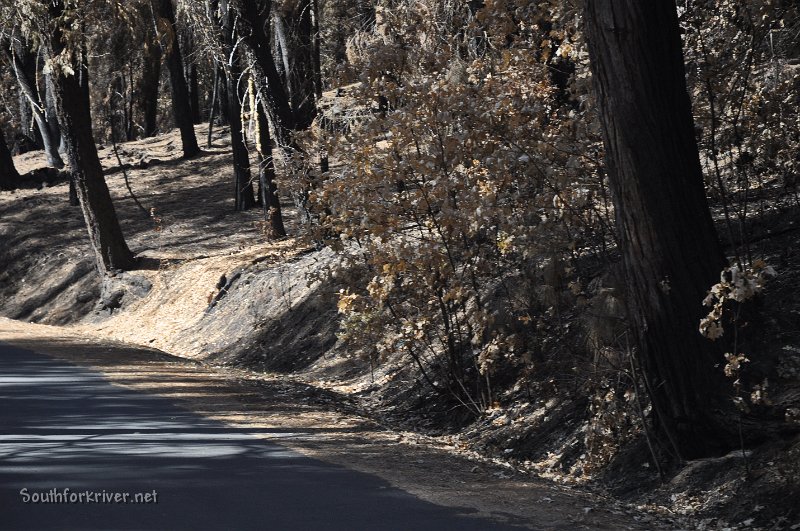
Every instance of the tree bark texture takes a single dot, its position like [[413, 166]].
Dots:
[[192, 77], [32, 139], [303, 64], [244, 197], [52, 115], [670, 247], [181, 107]]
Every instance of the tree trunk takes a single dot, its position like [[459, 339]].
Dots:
[[181, 107], [244, 197], [303, 66], [22, 62], [9, 177], [670, 248], [52, 116], [148, 86], [266, 177], [72, 101], [212, 106], [281, 52], [254, 28], [296, 35], [222, 99], [32, 138]]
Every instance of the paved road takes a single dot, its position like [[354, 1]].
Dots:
[[66, 427]]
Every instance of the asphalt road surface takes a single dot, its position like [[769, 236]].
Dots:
[[79, 453]]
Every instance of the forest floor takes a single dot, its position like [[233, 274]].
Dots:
[[263, 315]]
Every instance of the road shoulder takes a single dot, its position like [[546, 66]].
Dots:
[[326, 426]]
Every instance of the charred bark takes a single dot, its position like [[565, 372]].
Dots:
[[303, 71], [670, 247], [266, 177], [52, 116], [244, 197]]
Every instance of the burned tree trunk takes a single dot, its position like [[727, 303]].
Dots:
[[266, 176], [244, 197], [303, 73], [670, 248], [181, 107], [23, 63], [148, 85], [71, 91]]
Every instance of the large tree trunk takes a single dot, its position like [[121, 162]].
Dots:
[[222, 98], [280, 53], [9, 177], [71, 91], [55, 132], [52, 116], [110, 248], [181, 107], [670, 248], [32, 139]]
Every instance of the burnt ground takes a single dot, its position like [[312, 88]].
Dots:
[[246, 310]]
